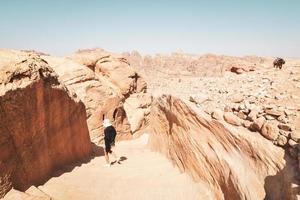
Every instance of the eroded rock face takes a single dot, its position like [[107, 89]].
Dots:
[[118, 71], [228, 163], [137, 107], [42, 125], [103, 81], [115, 68]]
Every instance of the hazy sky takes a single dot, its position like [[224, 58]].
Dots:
[[234, 27]]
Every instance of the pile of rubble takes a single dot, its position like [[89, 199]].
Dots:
[[273, 122]]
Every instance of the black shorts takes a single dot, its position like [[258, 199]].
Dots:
[[107, 146]]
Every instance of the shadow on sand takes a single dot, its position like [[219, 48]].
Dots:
[[121, 159], [285, 184], [96, 152]]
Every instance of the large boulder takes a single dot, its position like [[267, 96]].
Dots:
[[119, 72], [115, 68], [137, 108], [226, 162], [42, 125]]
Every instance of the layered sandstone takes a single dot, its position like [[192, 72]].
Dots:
[[42, 125], [103, 81], [229, 163]]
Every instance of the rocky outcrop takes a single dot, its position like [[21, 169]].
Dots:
[[119, 72], [103, 81], [42, 125], [137, 108], [184, 64], [228, 162], [239, 69], [113, 67]]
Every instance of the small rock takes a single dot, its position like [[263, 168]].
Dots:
[[269, 117], [238, 98], [227, 109], [239, 71], [247, 103], [251, 99], [285, 127], [288, 112], [295, 135], [241, 115], [252, 115], [232, 119], [242, 107], [292, 143], [270, 130], [235, 107], [281, 140], [257, 124], [147, 111], [277, 97], [268, 96], [270, 106], [199, 99], [246, 111], [217, 114], [273, 112], [282, 119], [222, 91], [247, 124], [282, 132]]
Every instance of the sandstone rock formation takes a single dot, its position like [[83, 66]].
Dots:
[[114, 81], [42, 125], [228, 163], [137, 108], [249, 150], [100, 99], [103, 81]]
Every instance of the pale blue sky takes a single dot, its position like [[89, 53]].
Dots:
[[234, 27]]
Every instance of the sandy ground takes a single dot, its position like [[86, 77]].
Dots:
[[141, 175]]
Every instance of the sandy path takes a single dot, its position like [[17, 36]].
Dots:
[[143, 175]]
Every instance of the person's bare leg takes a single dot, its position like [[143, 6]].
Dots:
[[106, 157], [113, 150], [114, 155]]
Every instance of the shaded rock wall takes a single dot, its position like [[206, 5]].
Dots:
[[42, 126]]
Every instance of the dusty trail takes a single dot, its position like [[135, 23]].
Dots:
[[141, 175]]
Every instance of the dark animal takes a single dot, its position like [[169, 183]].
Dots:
[[278, 62]]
